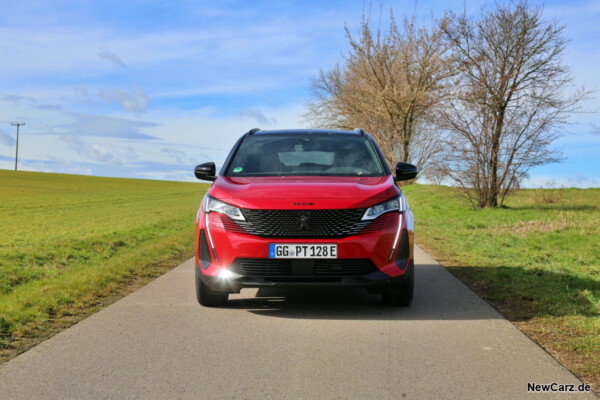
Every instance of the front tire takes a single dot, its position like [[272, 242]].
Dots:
[[401, 295], [208, 297]]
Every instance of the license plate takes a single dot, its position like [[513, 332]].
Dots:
[[302, 250]]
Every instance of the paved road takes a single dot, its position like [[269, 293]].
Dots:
[[159, 343]]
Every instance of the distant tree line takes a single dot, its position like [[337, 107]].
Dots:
[[476, 100]]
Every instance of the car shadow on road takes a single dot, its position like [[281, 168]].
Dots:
[[438, 296]]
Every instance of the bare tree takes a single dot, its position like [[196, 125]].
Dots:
[[388, 84], [510, 102]]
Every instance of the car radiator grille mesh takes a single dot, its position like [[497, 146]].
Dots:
[[319, 223], [303, 223], [265, 267]]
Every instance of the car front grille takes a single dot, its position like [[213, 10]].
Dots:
[[266, 267], [321, 223], [303, 223]]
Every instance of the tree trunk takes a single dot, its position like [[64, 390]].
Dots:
[[493, 189]]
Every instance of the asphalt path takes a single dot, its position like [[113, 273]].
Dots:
[[289, 344]]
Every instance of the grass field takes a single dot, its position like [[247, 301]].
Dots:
[[69, 244], [537, 261]]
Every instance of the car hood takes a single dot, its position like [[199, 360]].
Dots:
[[304, 192]]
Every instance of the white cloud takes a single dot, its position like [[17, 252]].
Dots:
[[17, 98], [134, 101], [186, 57], [177, 175], [177, 156], [577, 180], [131, 154], [212, 73], [112, 57], [55, 107], [93, 152], [215, 134], [80, 93], [102, 126], [6, 139], [257, 116]]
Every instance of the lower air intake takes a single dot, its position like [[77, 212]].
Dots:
[[264, 267], [203, 251]]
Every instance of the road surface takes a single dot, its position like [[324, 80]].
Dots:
[[275, 344]]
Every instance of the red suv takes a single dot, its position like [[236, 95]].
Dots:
[[304, 208]]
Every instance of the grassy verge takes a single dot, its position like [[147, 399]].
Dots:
[[72, 244], [537, 261]]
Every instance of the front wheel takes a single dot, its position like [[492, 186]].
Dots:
[[208, 297], [401, 295]]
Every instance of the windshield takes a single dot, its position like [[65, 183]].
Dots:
[[305, 155]]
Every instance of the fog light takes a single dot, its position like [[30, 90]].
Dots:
[[227, 274]]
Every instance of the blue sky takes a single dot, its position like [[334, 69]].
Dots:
[[149, 89]]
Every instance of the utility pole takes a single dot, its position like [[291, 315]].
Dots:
[[17, 124]]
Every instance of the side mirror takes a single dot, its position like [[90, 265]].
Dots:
[[405, 171], [206, 171]]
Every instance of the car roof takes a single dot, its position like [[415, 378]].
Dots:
[[306, 132]]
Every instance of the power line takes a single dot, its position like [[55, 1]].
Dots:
[[17, 124]]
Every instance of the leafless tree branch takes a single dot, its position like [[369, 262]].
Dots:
[[510, 102], [390, 84]]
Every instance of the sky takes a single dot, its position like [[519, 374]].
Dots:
[[149, 89]]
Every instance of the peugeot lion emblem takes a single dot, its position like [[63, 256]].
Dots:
[[303, 225]]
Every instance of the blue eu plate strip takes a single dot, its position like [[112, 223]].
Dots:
[[271, 250]]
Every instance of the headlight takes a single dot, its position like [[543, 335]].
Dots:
[[394, 204], [212, 204]]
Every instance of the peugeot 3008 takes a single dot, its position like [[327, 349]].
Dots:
[[304, 208]]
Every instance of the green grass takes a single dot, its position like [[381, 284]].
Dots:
[[537, 261], [68, 243]]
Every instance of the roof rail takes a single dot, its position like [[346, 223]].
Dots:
[[359, 130], [253, 131]]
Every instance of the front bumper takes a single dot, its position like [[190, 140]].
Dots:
[[377, 282], [218, 248]]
